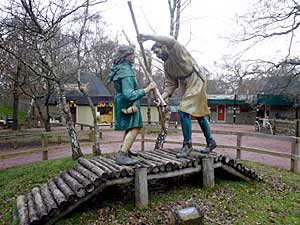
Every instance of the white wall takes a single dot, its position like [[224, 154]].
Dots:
[[84, 115], [154, 114]]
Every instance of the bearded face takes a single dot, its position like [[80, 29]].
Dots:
[[161, 53]]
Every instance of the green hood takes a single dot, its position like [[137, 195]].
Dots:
[[119, 71]]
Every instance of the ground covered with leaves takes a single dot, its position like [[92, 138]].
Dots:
[[274, 198]]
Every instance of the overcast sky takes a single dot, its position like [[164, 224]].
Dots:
[[206, 23]]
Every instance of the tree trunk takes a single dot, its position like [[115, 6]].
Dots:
[[16, 100], [29, 112], [47, 120], [76, 151], [96, 147], [61, 100]]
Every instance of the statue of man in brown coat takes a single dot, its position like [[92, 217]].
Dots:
[[180, 67]]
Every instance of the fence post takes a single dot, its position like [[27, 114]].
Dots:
[[238, 144], [141, 188], [143, 139], [45, 146], [274, 127], [294, 151], [91, 136], [208, 172], [59, 139]]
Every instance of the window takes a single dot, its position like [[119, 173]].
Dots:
[[230, 109]]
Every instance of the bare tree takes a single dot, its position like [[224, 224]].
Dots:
[[43, 25], [175, 8], [269, 20], [236, 73], [80, 43]]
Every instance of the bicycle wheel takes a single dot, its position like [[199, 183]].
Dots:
[[257, 126], [268, 128]]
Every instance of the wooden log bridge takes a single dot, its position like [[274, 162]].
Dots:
[[52, 200]]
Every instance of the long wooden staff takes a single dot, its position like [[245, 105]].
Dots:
[[146, 69]]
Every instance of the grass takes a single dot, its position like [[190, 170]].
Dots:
[[272, 199]]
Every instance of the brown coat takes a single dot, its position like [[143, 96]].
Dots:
[[180, 71]]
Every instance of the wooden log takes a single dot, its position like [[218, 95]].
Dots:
[[40, 206], [238, 144], [32, 212], [52, 207], [151, 167], [191, 160], [129, 170], [176, 165], [108, 173], [141, 188], [89, 186], [168, 165], [236, 173], [59, 197], [226, 159], [22, 210], [183, 161], [243, 169], [115, 173], [208, 173], [45, 147], [220, 158], [96, 180], [232, 162], [142, 164], [239, 166], [78, 188], [161, 167], [65, 189], [87, 164]]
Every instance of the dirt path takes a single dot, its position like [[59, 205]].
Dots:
[[274, 145]]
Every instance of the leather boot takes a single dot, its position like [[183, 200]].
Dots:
[[211, 145], [123, 159], [131, 153], [185, 150]]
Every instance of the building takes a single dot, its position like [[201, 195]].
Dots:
[[79, 105]]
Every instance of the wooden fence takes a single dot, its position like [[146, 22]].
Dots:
[[286, 127], [293, 156]]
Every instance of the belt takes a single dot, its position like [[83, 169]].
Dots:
[[186, 76]]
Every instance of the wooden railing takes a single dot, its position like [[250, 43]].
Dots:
[[44, 137], [293, 155]]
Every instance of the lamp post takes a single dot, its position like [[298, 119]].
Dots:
[[234, 109]]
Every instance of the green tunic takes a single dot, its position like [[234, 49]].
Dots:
[[127, 94]]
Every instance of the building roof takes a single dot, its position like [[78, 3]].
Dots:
[[273, 100], [92, 84]]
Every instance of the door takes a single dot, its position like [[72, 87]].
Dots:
[[221, 113], [73, 109]]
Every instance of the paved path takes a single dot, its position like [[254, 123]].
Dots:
[[274, 145]]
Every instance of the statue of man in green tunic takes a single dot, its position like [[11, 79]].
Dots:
[[181, 70], [127, 114]]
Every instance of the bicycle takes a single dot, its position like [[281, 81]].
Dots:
[[263, 125]]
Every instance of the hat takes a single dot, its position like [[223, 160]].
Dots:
[[124, 50]]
